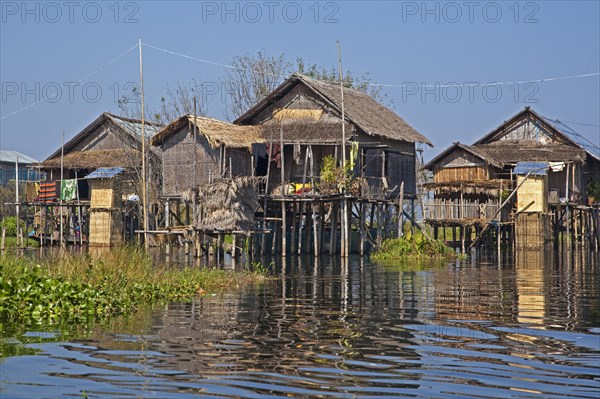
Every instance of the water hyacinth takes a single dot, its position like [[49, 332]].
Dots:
[[413, 246], [82, 286]]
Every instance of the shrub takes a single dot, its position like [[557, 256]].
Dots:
[[413, 246], [10, 223]]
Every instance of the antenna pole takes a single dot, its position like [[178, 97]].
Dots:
[[343, 111], [143, 138]]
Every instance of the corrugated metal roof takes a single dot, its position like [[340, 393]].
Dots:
[[105, 173], [11, 156], [136, 128], [577, 138], [536, 168]]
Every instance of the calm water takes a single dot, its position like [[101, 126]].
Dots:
[[528, 328]]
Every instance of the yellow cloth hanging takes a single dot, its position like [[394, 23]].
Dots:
[[353, 153]]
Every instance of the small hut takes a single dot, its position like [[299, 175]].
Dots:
[[106, 218]]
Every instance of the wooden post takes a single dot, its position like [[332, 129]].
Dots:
[[143, 139], [333, 229], [283, 230], [321, 225], [400, 208], [362, 227], [2, 244], [294, 227], [302, 207]]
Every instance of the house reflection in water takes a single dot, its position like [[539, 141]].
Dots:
[[530, 267]]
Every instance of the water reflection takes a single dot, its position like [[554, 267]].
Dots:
[[329, 328]]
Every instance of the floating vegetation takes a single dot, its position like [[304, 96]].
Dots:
[[84, 286], [413, 246]]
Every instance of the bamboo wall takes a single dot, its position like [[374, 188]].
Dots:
[[461, 165], [178, 162], [106, 219], [467, 173], [532, 196]]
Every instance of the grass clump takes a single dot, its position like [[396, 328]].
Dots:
[[84, 286], [413, 246]]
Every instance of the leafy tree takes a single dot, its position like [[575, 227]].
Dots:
[[361, 83], [252, 78], [173, 104]]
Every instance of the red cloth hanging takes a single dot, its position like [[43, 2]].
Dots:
[[275, 154]]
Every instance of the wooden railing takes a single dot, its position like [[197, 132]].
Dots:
[[462, 211]]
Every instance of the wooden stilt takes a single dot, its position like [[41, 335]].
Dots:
[[283, 229], [294, 227], [362, 227], [321, 224], [301, 219], [334, 223]]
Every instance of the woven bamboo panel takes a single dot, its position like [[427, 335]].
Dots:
[[102, 194], [532, 196], [105, 228], [467, 173]]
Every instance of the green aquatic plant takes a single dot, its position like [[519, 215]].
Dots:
[[413, 246], [10, 224], [84, 286]]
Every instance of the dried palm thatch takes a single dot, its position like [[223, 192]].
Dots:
[[93, 159], [361, 110], [508, 152], [216, 132], [306, 132], [490, 188], [228, 205]]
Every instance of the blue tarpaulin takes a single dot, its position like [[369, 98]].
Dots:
[[105, 173], [536, 168]]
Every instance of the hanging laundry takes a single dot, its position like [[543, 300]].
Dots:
[[68, 189], [47, 191], [297, 154], [353, 153], [275, 153]]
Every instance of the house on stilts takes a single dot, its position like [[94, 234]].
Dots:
[[107, 144], [308, 126], [529, 177]]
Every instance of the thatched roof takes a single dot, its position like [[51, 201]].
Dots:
[[131, 127], [306, 133], [360, 109], [216, 132], [511, 152], [504, 152], [459, 146], [94, 159], [558, 129]]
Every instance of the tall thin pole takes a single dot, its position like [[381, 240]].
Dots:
[[344, 215], [143, 138], [194, 145], [343, 110], [62, 156], [17, 200]]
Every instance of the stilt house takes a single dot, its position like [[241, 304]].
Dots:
[[471, 181], [109, 141], [302, 119]]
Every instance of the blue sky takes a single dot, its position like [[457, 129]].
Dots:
[[421, 47]]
